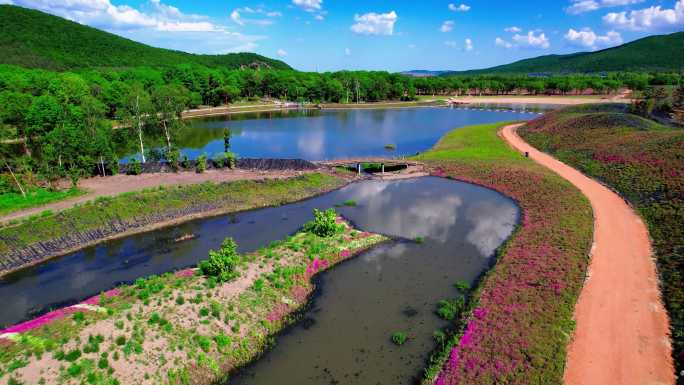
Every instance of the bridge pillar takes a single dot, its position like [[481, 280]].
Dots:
[[383, 168], [358, 168]]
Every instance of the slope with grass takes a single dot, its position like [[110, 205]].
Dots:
[[644, 162], [11, 202], [38, 238], [652, 53], [31, 38], [520, 316]]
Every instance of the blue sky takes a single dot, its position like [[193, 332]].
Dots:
[[325, 35]]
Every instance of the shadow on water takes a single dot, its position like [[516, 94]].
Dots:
[[344, 336]]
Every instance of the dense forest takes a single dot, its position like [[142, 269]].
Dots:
[[661, 53], [62, 121], [35, 39]]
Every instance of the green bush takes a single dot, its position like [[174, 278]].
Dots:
[[201, 165], [134, 167], [173, 157], [223, 263], [449, 309], [399, 338], [231, 159], [324, 223]]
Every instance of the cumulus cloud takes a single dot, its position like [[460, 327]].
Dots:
[[447, 26], [587, 38], [375, 23], [491, 225], [459, 8], [450, 44], [582, 6], [513, 29], [281, 52], [309, 5], [155, 23], [651, 19], [532, 40], [499, 42], [469, 44]]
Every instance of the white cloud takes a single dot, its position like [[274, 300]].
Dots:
[[652, 19], [513, 29], [281, 52], [236, 16], [502, 43], [347, 52], [450, 44], [447, 26], [375, 23], [7, 2], [582, 6], [532, 40], [309, 5], [589, 39], [459, 8], [468, 44], [155, 23]]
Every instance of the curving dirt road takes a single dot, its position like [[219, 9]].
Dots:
[[622, 334]]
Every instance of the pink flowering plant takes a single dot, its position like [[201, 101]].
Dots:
[[520, 315]]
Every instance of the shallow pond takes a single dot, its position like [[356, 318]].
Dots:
[[345, 335], [324, 134]]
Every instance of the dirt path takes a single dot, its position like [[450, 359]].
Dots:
[[622, 334], [117, 184]]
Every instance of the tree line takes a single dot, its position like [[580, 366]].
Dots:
[[59, 124]]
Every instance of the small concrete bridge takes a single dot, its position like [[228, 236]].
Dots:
[[383, 168], [379, 160]]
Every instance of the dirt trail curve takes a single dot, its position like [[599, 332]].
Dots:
[[622, 334], [117, 184]]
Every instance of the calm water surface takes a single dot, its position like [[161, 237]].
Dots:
[[326, 134]]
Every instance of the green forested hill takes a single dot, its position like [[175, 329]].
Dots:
[[31, 38], [652, 53]]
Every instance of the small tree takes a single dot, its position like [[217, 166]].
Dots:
[[222, 264], [324, 223], [137, 112]]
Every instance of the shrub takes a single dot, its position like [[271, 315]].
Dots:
[[222, 264], [201, 165], [173, 158], [185, 163], [449, 309], [324, 223], [219, 160], [462, 286], [134, 167], [399, 338], [231, 159]]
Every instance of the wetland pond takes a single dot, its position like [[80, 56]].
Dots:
[[322, 134], [344, 336]]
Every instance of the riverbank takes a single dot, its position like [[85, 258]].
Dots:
[[551, 100], [96, 187], [183, 327], [39, 238], [521, 315]]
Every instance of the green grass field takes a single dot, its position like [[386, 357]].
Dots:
[[14, 202], [473, 143]]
